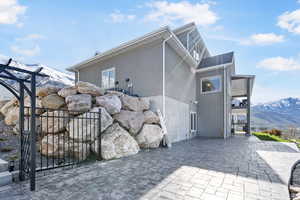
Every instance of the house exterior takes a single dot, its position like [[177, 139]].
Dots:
[[174, 68]]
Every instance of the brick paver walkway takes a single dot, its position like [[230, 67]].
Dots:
[[240, 168]]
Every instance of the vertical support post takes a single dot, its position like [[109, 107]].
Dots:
[[99, 135], [32, 133], [248, 106], [21, 129]]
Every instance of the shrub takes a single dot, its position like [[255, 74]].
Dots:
[[276, 132]]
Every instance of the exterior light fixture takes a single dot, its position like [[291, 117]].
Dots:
[[11, 166]]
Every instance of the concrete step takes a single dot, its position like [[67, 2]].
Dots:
[[5, 178], [3, 165]]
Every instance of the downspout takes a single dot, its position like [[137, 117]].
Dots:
[[225, 103], [164, 74]]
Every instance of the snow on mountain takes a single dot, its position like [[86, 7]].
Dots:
[[277, 114], [56, 78]]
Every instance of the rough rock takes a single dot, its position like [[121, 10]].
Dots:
[[135, 103], [79, 102], [68, 91], [27, 126], [111, 103], [79, 151], [119, 94], [45, 91], [12, 116], [116, 143], [54, 145], [294, 189], [9, 105], [53, 101], [84, 129], [132, 121], [3, 102], [151, 117], [38, 104], [56, 122], [88, 88], [150, 136]]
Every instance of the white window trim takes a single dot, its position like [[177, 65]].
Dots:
[[211, 92], [108, 70], [196, 124]]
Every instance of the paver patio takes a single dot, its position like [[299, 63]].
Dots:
[[239, 168]]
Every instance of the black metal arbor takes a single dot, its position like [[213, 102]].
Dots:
[[27, 84]]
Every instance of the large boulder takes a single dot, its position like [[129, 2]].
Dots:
[[79, 102], [3, 102], [111, 103], [116, 143], [53, 101], [68, 91], [9, 105], [88, 88], [54, 122], [45, 91], [151, 117], [27, 125], [38, 104], [132, 121], [84, 128], [150, 136], [135, 103], [54, 145], [12, 116], [79, 151]]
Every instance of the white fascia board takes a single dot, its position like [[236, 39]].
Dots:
[[214, 67], [184, 28], [126, 45]]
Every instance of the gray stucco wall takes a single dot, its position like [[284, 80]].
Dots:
[[210, 108], [180, 95], [143, 65], [180, 81]]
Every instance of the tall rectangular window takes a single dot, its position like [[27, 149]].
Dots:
[[211, 84], [193, 121], [108, 78]]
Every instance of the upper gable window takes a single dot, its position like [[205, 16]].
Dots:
[[108, 78], [211, 84], [196, 55]]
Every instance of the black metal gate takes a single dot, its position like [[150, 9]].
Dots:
[[66, 138]]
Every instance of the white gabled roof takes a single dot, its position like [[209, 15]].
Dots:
[[163, 33]]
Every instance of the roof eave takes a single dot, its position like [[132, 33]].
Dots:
[[113, 51]]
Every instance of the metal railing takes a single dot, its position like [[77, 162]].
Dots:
[[64, 138]]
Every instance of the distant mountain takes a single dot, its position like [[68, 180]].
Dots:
[[56, 78], [277, 114]]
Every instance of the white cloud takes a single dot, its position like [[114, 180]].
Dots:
[[32, 37], [181, 12], [10, 10], [279, 64], [26, 52], [263, 39], [290, 21], [118, 17]]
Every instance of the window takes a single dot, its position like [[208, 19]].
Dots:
[[196, 55], [193, 121], [108, 78], [211, 84]]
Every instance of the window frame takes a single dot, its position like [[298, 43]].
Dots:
[[108, 70], [211, 77], [193, 122]]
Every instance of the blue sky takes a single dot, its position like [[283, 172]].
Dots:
[[265, 35]]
